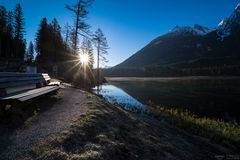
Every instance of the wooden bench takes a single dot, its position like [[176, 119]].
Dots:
[[24, 86]]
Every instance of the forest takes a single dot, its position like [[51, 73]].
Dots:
[[55, 48]]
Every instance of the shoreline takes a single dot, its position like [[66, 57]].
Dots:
[[212, 128]]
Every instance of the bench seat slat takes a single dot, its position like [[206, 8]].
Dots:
[[54, 84], [26, 93], [39, 93]]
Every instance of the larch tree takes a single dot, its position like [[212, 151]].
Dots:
[[102, 47], [80, 27], [72, 40], [66, 33], [87, 49]]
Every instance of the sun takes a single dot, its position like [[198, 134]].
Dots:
[[84, 58]]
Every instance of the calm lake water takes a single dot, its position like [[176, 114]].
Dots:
[[217, 97], [118, 96]]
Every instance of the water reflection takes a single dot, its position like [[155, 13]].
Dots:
[[117, 96], [215, 97]]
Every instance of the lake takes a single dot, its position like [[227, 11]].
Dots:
[[215, 97]]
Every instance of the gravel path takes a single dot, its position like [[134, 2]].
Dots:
[[46, 124]]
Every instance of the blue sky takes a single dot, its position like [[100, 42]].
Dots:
[[128, 24]]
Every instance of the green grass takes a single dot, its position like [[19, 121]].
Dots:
[[217, 130]]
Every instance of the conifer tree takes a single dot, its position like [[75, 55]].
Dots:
[[18, 22]]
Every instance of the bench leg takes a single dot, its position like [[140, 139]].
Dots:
[[18, 110], [2, 108]]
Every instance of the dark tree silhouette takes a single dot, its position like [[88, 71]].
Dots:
[[12, 42], [19, 31], [41, 41], [10, 23], [3, 33], [49, 45], [56, 37], [18, 22], [3, 18]]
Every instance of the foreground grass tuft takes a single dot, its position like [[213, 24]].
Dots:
[[217, 130]]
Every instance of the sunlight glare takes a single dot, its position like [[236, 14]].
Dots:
[[84, 58]]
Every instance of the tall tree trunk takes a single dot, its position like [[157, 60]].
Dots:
[[98, 76], [76, 29]]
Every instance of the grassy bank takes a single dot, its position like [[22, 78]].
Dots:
[[216, 130], [105, 132], [108, 132]]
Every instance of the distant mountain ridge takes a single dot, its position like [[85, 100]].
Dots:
[[187, 48], [196, 30]]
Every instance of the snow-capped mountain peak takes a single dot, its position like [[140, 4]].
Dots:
[[196, 30], [202, 30], [238, 7], [223, 22], [226, 26], [182, 29]]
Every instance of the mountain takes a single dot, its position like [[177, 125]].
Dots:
[[186, 49], [227, 26]]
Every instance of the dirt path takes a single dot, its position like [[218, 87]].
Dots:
[[44, 125]]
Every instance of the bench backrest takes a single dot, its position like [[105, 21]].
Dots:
[[14, 82], [46, 77]]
